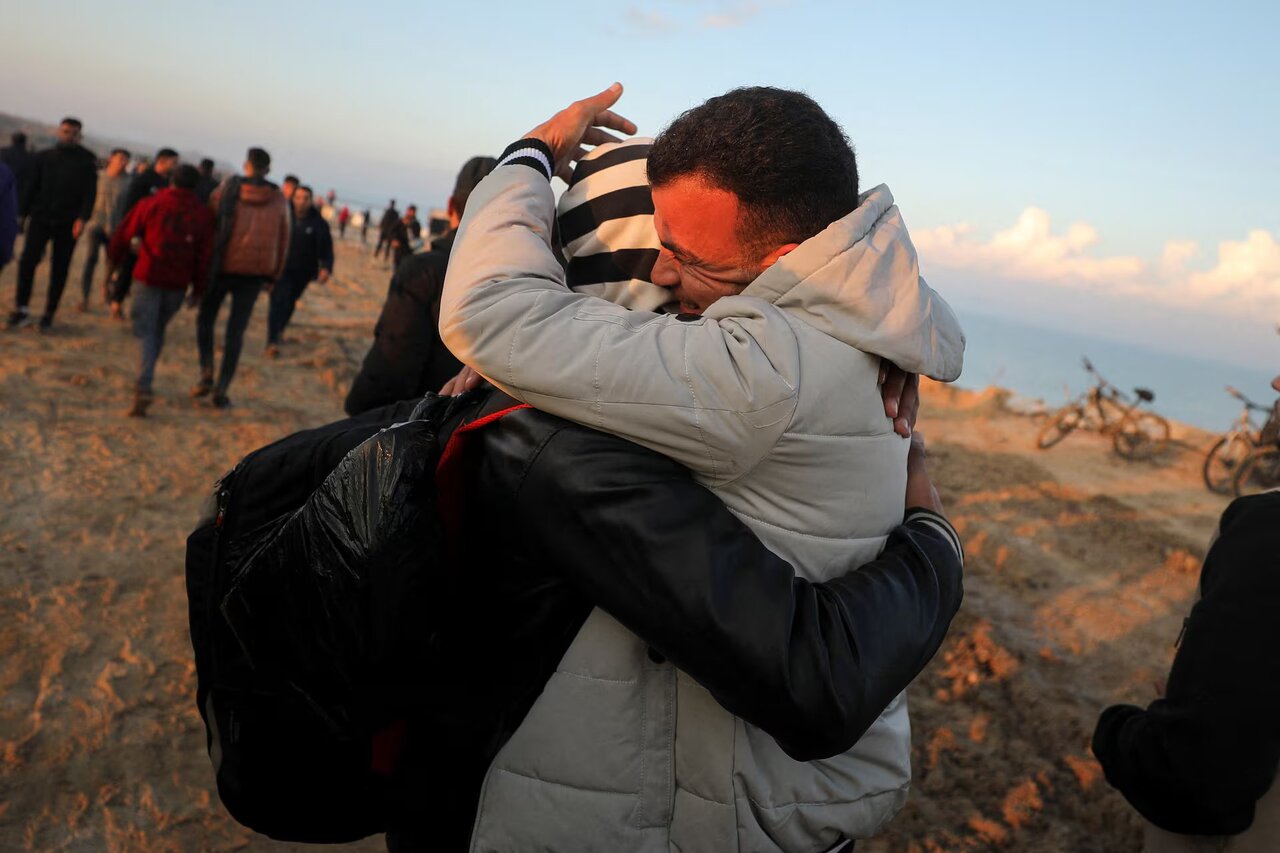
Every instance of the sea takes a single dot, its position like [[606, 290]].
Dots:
[[1045, 364]]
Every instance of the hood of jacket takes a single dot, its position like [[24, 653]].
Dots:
[[859, 281]]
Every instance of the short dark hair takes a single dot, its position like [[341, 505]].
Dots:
[[206, 166], [124, 151], [291, 179], [790, 165], [74, 122], [185, 177], [303, 188], [18, 138], [259, 159], [472, 173], [165, 153]]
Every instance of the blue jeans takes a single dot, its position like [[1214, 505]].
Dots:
[[244, 292], [152, 309]]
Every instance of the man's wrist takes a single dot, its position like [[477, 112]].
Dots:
[[531, 152]]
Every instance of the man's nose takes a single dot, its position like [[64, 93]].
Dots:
[[665, 273]]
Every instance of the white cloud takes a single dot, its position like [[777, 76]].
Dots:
[[731, 16], [1244, 280], [649, 21]]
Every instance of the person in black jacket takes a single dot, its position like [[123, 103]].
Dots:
[[561, 518], [20, 161], [146, 183], [390, 217], [407, 358], [57, 203], [1201, 759], [310, 259]]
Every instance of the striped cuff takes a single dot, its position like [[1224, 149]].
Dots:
[[919, 515], [533, 153]]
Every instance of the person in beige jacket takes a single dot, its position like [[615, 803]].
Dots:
[[766, 386], [250, 250]]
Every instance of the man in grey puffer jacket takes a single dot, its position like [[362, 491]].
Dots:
[[792, 287]]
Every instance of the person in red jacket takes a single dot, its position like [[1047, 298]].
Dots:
[[173, 235]]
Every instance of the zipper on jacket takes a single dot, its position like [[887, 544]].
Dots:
[[1186, 620]]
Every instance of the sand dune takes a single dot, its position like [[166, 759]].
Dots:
[[1080, 569]]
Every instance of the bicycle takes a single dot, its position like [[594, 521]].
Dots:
[[1224, 458], [1135, 433]]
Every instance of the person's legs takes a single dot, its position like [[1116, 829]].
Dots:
[[206, 318], [96, 239], [145, 313], [243, 294], [63, 246], [123, 279], [295, 294], [38, 235], [278, 303]]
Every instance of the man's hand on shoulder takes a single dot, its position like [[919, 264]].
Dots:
[[581, 123], [901, 393]]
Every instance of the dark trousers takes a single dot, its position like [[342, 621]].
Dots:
[[384, 242], [97, 240], [244, 292], [123, 278], [39, 234], [285, 294]]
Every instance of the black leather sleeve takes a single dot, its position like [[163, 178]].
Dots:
[[812, 664], [1197, 761]]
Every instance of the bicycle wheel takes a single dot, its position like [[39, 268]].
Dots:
[[1222, 461], [1141, 436], [1259, 472], [1060, 424]]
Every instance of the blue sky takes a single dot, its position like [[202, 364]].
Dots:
[[1076, 161]]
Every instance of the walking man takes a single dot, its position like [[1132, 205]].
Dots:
[[20, 161], [251, 243], [364, 226], [57, 203], [389, 218], [112, 185], [401, 235], [174, 230], [310, 259], [146, 183]]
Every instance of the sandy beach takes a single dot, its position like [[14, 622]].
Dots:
[[1080, 569]]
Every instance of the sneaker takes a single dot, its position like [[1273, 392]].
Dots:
[[203, 385], [221, 401], [141, 400], [46, 322], [20, 320], [273, 350]]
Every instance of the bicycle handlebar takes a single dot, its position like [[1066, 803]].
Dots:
[[1249, 404]]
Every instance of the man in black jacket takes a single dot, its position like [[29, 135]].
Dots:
[[390, 217], [1201, 760], [146, 183], [563, 518], [407, 358], [20, 161], [57, 203], [310, 259]]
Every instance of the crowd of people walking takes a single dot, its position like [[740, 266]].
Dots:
[[172, 233]]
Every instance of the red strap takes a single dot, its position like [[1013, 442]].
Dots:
[[450, 472]]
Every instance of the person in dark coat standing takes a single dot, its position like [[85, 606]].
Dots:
[[207, 183], [56, 204], [20, 161], [146, 183], [402, 234], [8, 214], [1200, 762], [310, 259], [389, 218], [407, 358]]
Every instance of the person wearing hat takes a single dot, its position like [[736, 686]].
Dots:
[[407, 358]]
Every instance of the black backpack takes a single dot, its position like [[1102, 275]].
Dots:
[[308, 595]]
